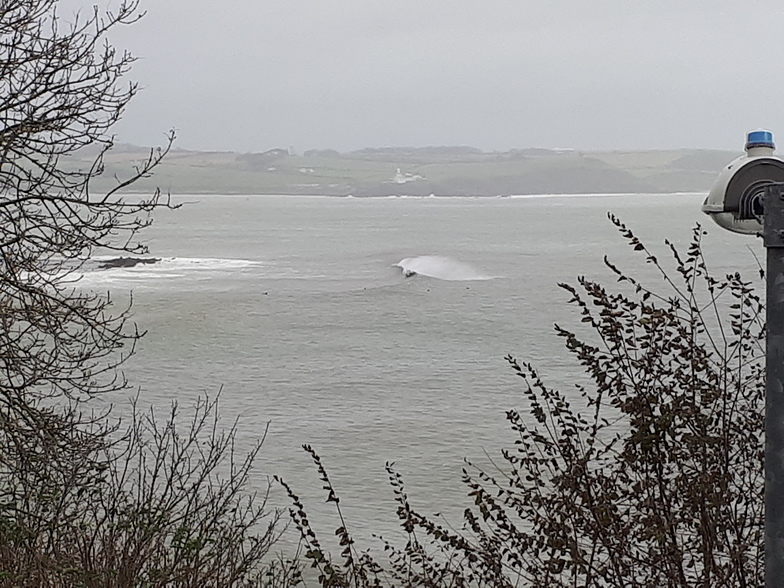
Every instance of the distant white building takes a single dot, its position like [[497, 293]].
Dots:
[[404, 178]]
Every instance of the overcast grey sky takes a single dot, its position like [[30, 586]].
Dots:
[[250, 75]]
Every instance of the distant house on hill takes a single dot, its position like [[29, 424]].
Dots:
[[404, 178], [274, 153], [261, 160]]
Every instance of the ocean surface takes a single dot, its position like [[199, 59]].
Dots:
[[376, 329]]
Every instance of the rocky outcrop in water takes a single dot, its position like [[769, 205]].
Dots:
[[127, 262]]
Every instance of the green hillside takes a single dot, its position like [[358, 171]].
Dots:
[[444, 171]]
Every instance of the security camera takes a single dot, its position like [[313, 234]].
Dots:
[[736, 200]]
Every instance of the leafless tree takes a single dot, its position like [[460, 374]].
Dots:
[[61, 91], [83, 501]]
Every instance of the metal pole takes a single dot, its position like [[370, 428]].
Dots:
[[773, 235]]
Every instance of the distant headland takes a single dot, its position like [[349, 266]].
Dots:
[[443, 171]]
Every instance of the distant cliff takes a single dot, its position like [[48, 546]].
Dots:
[[444, 171]]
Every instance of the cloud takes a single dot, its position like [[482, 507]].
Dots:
[[596, 74]]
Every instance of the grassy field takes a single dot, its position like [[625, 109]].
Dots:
[[446, 171]]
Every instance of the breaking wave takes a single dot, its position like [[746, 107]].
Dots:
[[105, 270], [440, 267]]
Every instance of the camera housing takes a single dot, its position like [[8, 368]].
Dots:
[[736, 201]]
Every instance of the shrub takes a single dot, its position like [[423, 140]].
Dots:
[[164, 505]]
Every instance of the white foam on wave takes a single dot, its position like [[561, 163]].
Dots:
[[543, 196], [206, 263], [597, 195], [184, 261], [441, 268], [164, 269]]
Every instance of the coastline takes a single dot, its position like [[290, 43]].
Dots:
[[440, 172]]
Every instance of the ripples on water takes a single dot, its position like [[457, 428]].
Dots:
[[301, 310]]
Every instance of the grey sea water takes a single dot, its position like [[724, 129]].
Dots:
[[376, 329]]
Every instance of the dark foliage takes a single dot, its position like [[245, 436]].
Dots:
[[165, 505]]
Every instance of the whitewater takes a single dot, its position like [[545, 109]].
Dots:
[[440, 267]]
